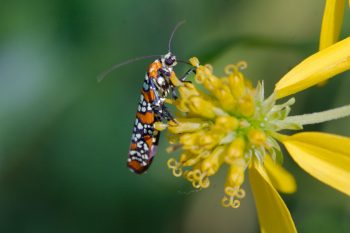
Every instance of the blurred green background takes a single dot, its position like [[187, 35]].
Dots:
[[64, 138]]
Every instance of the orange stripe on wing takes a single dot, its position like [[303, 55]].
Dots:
[[149, 95], [148, 140], [133, 146], [153, 69], [137, 167], [147, 118]]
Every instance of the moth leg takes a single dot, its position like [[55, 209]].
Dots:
[[167, 115], [163, 113], [184, 77], [173, 93]]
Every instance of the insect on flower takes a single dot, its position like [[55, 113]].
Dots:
[[157, 85]]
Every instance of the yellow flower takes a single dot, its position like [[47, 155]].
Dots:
[[331, 24], [229, 123], [319, 67]]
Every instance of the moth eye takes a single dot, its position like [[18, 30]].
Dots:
[[169, 61]]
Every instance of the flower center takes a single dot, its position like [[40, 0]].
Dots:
[[224, 122]]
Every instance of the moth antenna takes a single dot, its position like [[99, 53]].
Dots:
[[185, 62], [173, 32], [118, 65]]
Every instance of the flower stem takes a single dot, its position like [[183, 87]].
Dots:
[[319, 117]]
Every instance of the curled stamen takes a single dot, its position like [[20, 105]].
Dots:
[[197, 174], [234, 192], [225, 201], [177, 172], [172, 163], [209, 67], [230, 69], [230, 202], [235, 203], [193, 175], [196, 184], [204, 180], [231, 191], [189, 176], [175, 166], [240, 194], [197, 178], [242, 65]]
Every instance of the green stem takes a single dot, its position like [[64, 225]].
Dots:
[[319, 117]]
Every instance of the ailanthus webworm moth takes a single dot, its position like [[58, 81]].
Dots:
[[151, 108]]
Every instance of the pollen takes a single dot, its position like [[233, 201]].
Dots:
[[225, 122]]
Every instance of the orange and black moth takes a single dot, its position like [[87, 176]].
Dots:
[[151, 108]]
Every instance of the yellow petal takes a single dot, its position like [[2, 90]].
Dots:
[[324, 156], [280, 178], [274, 216], [318, 67], [331, 22]]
